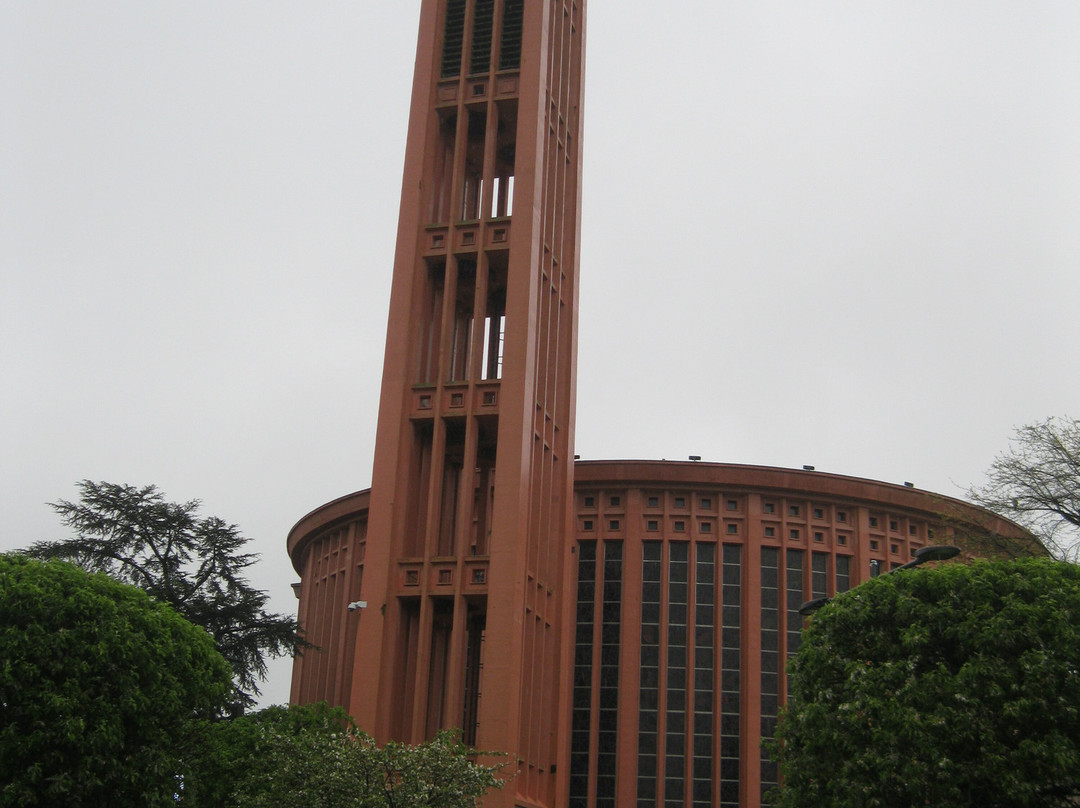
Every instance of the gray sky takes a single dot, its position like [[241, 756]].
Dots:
[[837, 233]]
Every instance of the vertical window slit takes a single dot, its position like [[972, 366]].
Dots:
[[675, 736], [607, 733], [510, 44], [649, 685], [462, 339], [770, 659], [474, 666], [704, 675], [581, 722], [483, 22], [843, 574], [495, 320], [795, 598], [453, 38], [473, 186], [730, 677], [451, 484]]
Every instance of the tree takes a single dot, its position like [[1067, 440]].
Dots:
[[955, 686], [100, 689], [196, 565], [315, 757], [228, 749], [1036, 483]]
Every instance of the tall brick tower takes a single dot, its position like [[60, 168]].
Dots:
[[465, 561]]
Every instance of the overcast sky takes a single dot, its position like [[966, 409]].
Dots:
[[837, 233]]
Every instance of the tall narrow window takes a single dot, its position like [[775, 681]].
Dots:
[[795, 598], [510, 44], [497, 187], [819, 576], [502, 191], [442, 620], [608, 720], [444, 169], [472, 189], [448, 511], [704, 684], [453, 37], [843, 574], [502, 196], [495, 319], [461, 341], [416, 513], [494, 334], [483, 26], [474, 664], [483, 485], [583, 665], [649, 690], [770, 659], [401, 685], [430, 324], [484, 504], [607, 579], [675, 736], [730, 676], [451, 483]]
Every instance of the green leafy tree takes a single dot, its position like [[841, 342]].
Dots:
[[195, 564], [1036, 483], [101, 689], [228, 749], [315, 757], [956, 686]]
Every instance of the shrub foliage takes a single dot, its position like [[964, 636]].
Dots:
[[955, 686], [101, 689]]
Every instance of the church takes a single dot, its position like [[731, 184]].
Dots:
[[619, 628]]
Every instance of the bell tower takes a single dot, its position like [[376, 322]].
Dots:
[[467, 554]]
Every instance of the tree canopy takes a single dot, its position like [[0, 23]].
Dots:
[[101, 689], [1036, 483], [314, 757], [195, 564], [955, 686]]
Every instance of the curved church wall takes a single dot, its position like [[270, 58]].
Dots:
[[687, 578]]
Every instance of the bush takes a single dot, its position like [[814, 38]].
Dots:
[[955, 686], [100, 689]]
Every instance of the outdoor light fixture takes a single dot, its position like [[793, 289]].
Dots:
[[923, 555], [695, 457], [810, 606], [933, 553], [357, 604], [808, 468]]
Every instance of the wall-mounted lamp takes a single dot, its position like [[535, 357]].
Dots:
[[357, 604]]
